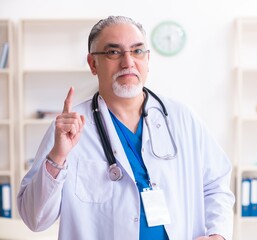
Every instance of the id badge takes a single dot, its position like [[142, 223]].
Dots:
[[155, 207]]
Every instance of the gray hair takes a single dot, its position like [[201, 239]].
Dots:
[[111, 20]]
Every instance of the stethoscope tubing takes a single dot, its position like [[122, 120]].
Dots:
[[147, 91], [102, 133], [115, 172]]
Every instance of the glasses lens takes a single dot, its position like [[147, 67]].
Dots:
[[138, 53], [114, 54]]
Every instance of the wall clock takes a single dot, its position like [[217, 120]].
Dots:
[[168, 38]]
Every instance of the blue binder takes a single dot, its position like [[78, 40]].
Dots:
[[253, 194], [245, 197], [5, 200], [4, 55]]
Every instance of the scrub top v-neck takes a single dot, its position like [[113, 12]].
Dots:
[[132, 143]]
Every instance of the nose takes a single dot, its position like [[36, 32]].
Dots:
[[127, 60]]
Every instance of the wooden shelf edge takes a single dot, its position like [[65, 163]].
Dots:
[[57, 70], [246, 168]]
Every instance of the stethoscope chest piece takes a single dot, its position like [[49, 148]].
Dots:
[[115, 172]]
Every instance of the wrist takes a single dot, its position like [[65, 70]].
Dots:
[[57, 158], [55, 164]]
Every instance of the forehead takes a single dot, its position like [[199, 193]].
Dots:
[[123, 34]]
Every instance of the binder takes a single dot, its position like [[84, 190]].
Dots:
[[4, 55], [245, 198], [253, 194], [5, 200]]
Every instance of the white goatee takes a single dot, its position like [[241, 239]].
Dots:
[[124, 90]]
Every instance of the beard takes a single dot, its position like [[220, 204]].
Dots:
[[126, 90]]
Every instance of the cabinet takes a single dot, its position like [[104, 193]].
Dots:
[[246, 120], [7, 171], [52, 57]]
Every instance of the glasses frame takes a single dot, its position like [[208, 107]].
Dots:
[[120, 54]]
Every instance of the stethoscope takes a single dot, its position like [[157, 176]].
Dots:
[[115, 172]]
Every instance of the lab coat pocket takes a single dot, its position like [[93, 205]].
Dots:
[[92, 182]]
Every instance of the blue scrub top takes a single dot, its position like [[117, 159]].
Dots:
[[132, 142]]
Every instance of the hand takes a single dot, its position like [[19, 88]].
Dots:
[[69, 126], [211, 237]]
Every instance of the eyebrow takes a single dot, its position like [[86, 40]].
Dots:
[[116, 45]]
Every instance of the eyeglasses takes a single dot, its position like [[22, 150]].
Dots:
[[116, 54]]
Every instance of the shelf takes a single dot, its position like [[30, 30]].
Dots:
[[49, 21], [247, 168], [247, 21], [5, 173], [247, 118], [241, 69], [4, 71], [246, 42], [57, 70], [64, 39], [37, 121], [248, 220], [5, 122], [52, 58], [46, 91]]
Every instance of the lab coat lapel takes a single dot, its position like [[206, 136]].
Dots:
[[159, 138], [145, 135], [116, 145]]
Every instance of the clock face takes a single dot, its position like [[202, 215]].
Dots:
[[168, 38]]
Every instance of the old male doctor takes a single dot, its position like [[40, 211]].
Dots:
[[183, 197]]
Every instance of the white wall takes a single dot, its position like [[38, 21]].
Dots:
[[201, 75]]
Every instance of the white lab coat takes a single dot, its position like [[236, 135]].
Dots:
[[92, 207]]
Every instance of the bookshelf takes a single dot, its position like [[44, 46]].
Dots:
[[52, 57], [7, 170], [246, 118]]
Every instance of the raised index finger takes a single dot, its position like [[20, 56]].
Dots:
[[68, 101]]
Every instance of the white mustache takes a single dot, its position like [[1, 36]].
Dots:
[[126, 71]]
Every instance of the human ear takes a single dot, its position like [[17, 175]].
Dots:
[[92, 63]]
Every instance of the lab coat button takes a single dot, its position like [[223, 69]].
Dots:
[[158, 125], [136, 219]]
